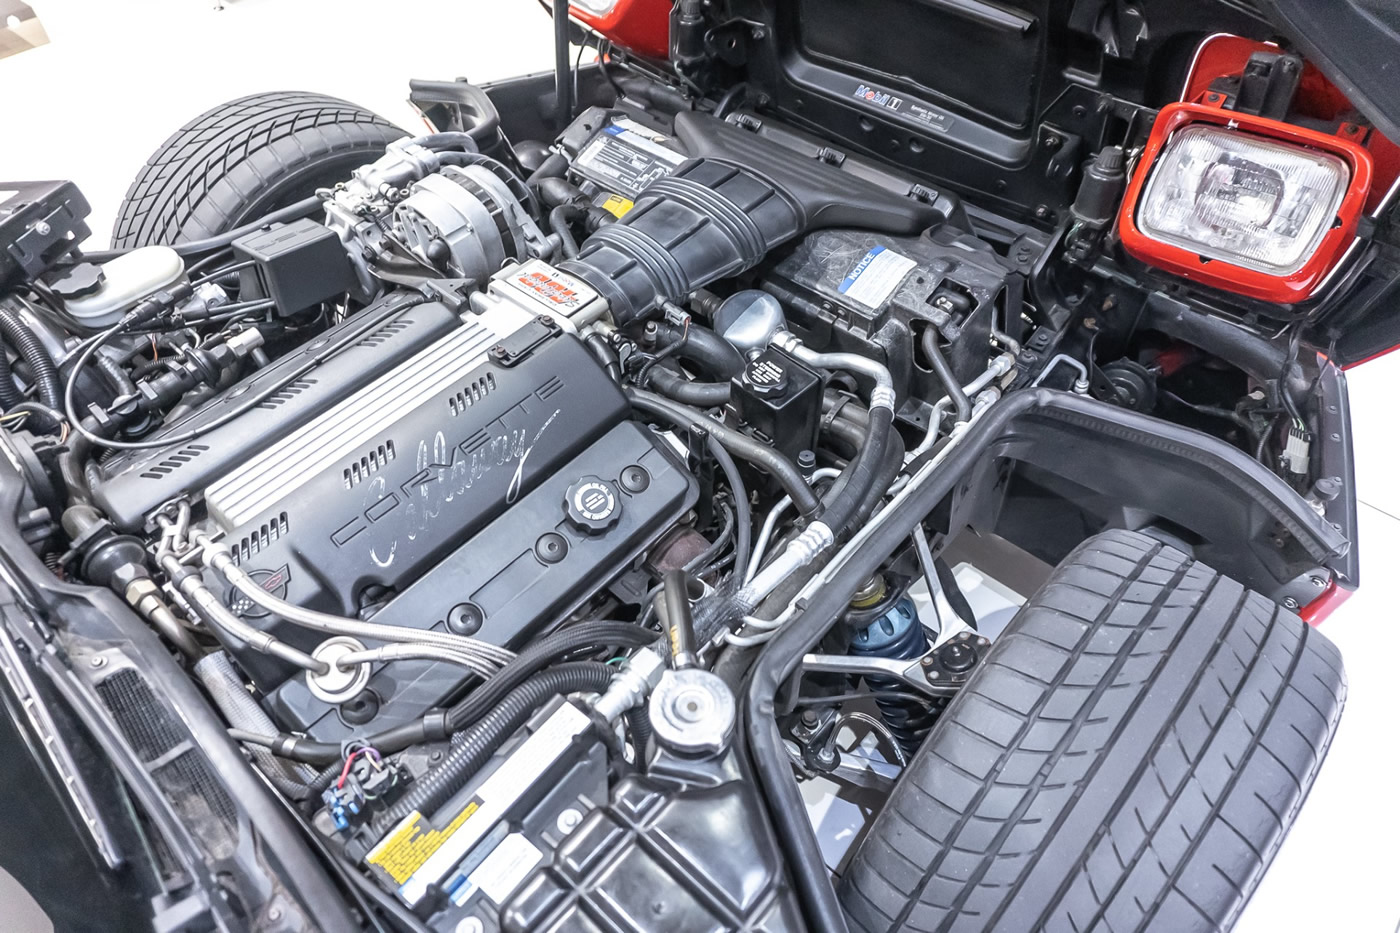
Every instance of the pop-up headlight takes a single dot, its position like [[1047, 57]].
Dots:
[[1243, 203]]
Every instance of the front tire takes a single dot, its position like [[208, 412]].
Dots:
[[244, 159], [1129, 757]]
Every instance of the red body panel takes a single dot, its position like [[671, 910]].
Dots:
[[643, 26]]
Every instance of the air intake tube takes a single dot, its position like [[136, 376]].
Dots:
[[708, 221]]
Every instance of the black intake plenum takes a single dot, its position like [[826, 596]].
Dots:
[[722, 212], [706, 221]]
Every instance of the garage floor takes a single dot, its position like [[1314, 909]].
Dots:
[[117, 78]]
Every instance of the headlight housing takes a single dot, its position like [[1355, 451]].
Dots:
[[1243, 203]]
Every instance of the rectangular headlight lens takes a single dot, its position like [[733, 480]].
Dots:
[[1242, 199]]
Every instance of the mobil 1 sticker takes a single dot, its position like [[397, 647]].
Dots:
[[626, 157], [923, 114], [873, 280]]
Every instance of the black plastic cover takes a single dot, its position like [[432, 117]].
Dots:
[[517, 576], [298, 265], [780, 399], [347, 356], [40, 221], [364, 528]]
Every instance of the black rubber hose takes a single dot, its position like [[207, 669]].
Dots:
[[639, 725], [559, 219], [10, 395], [550, 648], [676, 591], [961, 403], [121, 383], [848, 432], [449, 140], [552, 167], [740, 445], [41, 367], [715, 355], [602, 350], [676, 387], [889, 469], [473, 748], [861, 474], [743, 512]]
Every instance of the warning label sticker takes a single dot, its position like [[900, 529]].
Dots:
[[545, 284], [876, 276], [404, 850], [626, 157]]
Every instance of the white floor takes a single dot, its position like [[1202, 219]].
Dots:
[[118, 77]]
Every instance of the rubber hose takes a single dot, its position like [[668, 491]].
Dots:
[[563, 74], [10, 395], [473, 748], [639, 724], [543, 651], [676, 591], [861, 474], [677, 388], [552, 167], [743, 511], [889, 469], [226, 689], [41, 367], [961, 403], [714, 354], [447, 140], [740, 445], [559, 224], [122, 384], [605, 354], [845, 407], [848, 432]]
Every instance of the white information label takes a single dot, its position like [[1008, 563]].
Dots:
[[506, 867], [876, 276]]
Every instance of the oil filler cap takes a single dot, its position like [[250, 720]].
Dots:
[[592, 505]]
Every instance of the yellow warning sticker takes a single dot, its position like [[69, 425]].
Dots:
[[404, 851], [617, 205]]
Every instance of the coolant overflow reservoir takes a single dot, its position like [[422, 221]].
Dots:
[[127, 279]]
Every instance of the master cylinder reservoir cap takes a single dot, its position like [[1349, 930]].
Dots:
[[336, 685]]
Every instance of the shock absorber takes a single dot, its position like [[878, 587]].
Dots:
[[887, 625]]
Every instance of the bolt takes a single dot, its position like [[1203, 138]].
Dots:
[[98, 661], [1317, 582], [933, 675], [274, 914], [1079, 111], [568, 821], [1052, 142], [1042, 212], [927, 662], [470, 925], [1290, 603], [1213, 98], [42, 228]]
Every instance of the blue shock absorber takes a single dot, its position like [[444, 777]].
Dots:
[[893, 631]]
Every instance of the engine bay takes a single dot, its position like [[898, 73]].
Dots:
[[471, 489]]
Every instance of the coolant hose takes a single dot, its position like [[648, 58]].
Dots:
[[740, 445], [41, 367], [585, 636], [861, 475], [961, 403], [559, 219], [473, 748], [714, 354], [677, 388], [226, 689], [889, 469]]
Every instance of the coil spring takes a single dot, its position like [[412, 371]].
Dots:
[[896, 633]]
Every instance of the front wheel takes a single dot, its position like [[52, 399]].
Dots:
[[1128, 758], [244, 159]]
